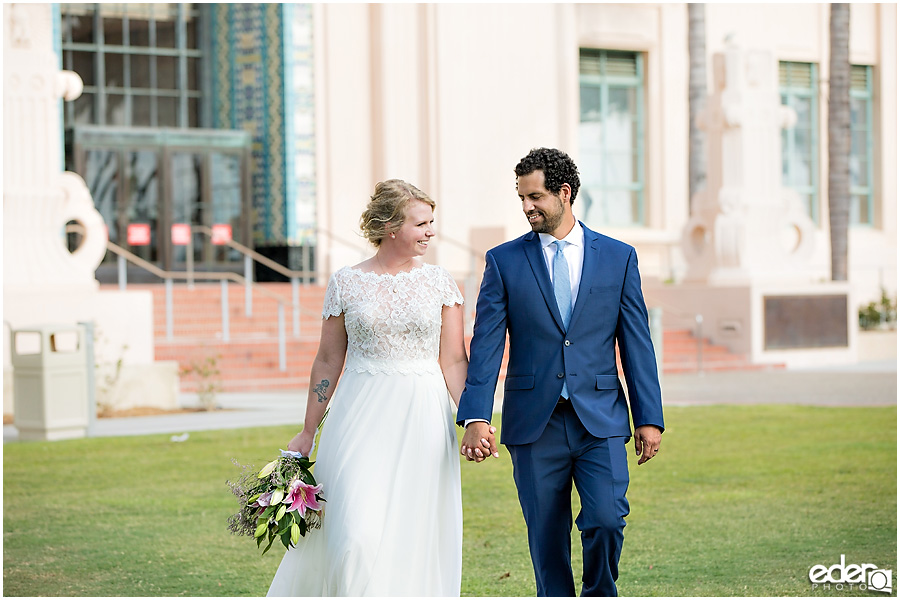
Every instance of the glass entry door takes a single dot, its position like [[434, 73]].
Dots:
[[207, 189], [187, 203], [141, 192], [155, 183]]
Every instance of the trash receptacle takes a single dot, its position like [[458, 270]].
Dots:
[[49, 382]]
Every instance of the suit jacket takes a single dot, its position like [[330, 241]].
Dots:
[[517, 297]]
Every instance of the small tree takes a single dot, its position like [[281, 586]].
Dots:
[[208, 378]]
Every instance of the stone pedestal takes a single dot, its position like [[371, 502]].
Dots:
[[795, 324], [43, 282]]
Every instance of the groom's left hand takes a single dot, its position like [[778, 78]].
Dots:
[[647, 439]]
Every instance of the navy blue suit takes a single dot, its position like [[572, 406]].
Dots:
[[583, 439]]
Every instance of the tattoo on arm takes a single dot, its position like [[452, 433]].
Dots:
[[321, 389]]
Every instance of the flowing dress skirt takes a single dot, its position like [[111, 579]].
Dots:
[[393, 513]]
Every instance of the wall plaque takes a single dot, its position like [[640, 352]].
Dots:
[[805, 322]]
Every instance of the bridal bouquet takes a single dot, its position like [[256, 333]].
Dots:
[[280, 501]]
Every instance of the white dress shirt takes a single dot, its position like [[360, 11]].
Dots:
[[573, 250]]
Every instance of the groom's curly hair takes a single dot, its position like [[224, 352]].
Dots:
[[557, 166]]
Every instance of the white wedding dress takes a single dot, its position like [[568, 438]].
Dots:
[[387, 455]]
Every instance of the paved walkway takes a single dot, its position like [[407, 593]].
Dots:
[[865, 384]]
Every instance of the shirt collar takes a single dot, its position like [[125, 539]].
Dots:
[[575, 237]]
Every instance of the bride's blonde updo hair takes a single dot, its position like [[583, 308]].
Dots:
[[386, 210]]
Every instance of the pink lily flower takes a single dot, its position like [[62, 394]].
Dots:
[[301, 496]]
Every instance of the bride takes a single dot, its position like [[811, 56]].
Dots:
[[387, 454]]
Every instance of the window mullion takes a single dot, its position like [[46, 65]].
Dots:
[[180, 43], [814, 137], [154, 105], [639, 142], [70, 66], [604, 112], [99, 69], [870, 154], [791, 145], [126, 68]]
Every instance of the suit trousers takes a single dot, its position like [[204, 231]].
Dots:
[[544, 472]]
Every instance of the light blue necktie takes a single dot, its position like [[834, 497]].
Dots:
[[562, 289]]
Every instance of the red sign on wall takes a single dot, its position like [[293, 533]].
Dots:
[[221, 234], [139, 234], [181, 234]]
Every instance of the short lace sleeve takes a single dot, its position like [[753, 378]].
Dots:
[[450, 293], [332, 306]]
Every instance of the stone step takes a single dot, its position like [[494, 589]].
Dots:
[[249, 361], [741, 365]]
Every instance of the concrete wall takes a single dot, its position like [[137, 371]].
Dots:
[[450, 96]]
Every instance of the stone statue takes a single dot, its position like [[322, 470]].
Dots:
[[746, 226]]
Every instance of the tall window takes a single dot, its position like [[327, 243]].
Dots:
[[861, 146], [798, 85], [611, 138], [140, 63]]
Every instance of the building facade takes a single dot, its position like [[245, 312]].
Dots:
[[194, 114], [277, 120]]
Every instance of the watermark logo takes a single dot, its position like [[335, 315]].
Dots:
[[842, 576]]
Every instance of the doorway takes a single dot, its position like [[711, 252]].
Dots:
[[148, 184]]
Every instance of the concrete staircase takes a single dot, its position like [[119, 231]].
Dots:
[[249, 361], [680, 355]]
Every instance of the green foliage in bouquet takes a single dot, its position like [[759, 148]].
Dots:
[[280, 501]]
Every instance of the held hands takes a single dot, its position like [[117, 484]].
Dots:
[[303, 442], [478, 442], [646, 442]]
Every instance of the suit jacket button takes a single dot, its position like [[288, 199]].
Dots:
[[559, 375], [568, 343]]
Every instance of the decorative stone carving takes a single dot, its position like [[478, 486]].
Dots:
[[68, 85], [44, 283], [18, 27], [746, 226], [39, 199]]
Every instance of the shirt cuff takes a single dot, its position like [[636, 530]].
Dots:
[[467, 421]]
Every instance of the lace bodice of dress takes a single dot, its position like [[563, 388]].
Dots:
[[393, 322]]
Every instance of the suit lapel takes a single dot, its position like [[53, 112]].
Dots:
[[535, 255], [588, 271]]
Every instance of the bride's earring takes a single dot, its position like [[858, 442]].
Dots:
[[393, 237]]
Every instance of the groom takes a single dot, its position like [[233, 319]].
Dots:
[[565, 295]]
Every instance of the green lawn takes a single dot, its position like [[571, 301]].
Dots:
[[741, 501]]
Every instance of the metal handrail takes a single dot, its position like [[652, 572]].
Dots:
[[224, 277], [162, 274], [303, 275], [249, 256], [289, 273], [697, 319]]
